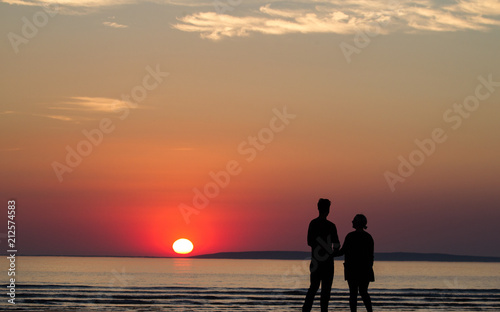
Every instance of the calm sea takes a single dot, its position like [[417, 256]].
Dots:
[[153, 284]]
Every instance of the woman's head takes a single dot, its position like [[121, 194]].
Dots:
[[359, 222]]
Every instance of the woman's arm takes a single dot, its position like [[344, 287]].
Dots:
[[372, 250]]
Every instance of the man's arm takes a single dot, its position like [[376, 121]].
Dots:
[[339, 252], [335, 239], [310, 235]]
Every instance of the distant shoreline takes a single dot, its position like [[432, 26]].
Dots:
[[381, 256]]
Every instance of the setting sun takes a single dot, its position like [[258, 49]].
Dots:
[[182, 246]]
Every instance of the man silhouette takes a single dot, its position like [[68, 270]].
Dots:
[[324, 241]]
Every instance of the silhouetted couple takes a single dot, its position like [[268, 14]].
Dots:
[[358, 259]]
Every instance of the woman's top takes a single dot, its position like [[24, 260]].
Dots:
[[358, 256]]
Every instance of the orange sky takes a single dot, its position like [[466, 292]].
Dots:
[[209, 91]]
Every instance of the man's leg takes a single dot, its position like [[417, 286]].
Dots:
[[326, 287], [313, 288]]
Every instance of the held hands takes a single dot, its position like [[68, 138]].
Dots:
[[338, 252]]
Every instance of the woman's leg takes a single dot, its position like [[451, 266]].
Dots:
[[363, 291], [353, 295]]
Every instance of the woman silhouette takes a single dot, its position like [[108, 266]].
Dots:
[[358, 262]]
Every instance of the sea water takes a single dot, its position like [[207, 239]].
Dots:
[[184, 284]]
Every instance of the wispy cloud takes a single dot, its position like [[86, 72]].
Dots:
[[482, 7], [70, 7], [90, 104], [114, 25], [56, 117], [75, 3], [7, 112], [91, 6], [216, 26], [80, 108], [280, 17], [76, 109], [51, 116], [343, 17]]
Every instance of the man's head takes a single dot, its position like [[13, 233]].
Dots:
[[324, 206]]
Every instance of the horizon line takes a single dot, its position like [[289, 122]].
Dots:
[[497, 258]]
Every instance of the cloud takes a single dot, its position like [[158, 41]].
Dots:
[[73, 3], [72, 7], [482, 7], [277, 22], [7, 112], [114, 25], [81, 108], [341, 17], [77, 109], [57, 117], [90, 104], [280, 17]]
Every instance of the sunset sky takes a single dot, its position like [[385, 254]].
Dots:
[[128, 124]]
